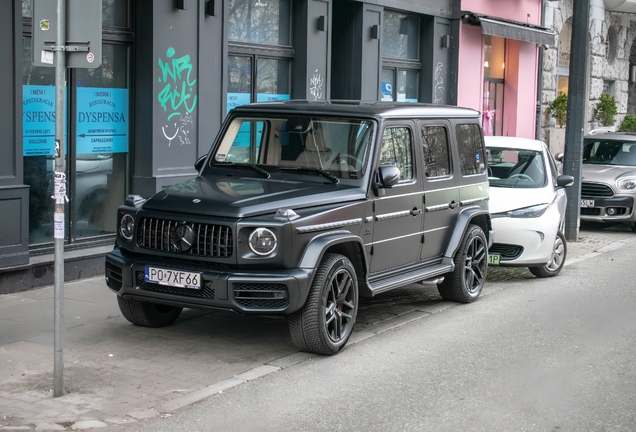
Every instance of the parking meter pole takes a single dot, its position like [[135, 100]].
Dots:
[[60, 199], [575, 123]]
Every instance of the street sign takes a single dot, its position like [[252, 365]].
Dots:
[[83, 33]]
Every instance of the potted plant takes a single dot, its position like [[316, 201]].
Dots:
[[558, 108], [605, 110], [628, 124]]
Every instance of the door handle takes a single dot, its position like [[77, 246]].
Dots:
[[453, 205], [416, 211]]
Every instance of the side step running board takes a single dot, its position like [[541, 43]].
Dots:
[[381, 285]]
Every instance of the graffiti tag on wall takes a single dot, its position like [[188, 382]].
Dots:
[[438, 92], [315, 88], [178, 97]]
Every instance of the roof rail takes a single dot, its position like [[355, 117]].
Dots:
[[602, 130]]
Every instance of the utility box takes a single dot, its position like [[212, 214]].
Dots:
[[83, 33]]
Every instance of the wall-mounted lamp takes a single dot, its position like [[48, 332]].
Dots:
[[632, 74], [486, 64], [213, 7], [321, 23], [374, 31], [179, 4], [503, 65]]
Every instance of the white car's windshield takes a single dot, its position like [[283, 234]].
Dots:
[[515, 168], [609, 152], [310, 145]]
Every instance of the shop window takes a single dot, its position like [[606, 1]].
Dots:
[[114, 12], [400, 64], [493, 91], [259, 21], [257, 73]]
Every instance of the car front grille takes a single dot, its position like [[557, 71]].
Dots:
[[594, 211], [206, 291], [261, 295], [207, 240], [596, 190], [507, 252]]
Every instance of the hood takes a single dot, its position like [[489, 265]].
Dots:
[[506, 199], [605, 173], [238, 197]]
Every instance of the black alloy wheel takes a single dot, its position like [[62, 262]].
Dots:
[[325, 322], [465, 283]]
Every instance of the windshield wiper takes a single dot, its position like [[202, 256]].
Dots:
[[324, 173], [253, 166]]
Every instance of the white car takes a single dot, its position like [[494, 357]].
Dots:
[[527, 205]]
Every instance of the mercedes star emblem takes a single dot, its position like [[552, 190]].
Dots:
[[182, 237]]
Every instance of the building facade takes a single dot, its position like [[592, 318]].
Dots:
[[611, 62], [499, 51], [170, 71]]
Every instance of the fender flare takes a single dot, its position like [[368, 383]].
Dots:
[[316, 248], [463, 220]]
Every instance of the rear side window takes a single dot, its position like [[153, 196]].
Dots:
[[471, 149], [435, 150]]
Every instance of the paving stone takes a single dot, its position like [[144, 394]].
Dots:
[[49, 427], [88, 424]]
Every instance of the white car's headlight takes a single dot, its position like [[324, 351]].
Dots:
[[127, 227], [262, 241], [626, 183], [529, 212]]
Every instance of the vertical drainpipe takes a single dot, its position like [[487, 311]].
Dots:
[[539, 120], [454, 52]]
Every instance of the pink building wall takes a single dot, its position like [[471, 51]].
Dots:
[[520, 89]]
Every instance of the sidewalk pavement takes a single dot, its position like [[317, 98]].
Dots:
[[116, 374]]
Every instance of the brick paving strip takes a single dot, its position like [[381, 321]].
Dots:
[[117, 374]]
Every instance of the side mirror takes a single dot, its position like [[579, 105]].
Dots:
[[565, 180], [199, 163], [389, 175], [559, 156]]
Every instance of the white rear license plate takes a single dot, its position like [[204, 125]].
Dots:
[[587, 203], [493, 259], [173, 278]]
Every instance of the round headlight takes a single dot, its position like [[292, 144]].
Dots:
[[262, 241], [626, 183], [126, 227]]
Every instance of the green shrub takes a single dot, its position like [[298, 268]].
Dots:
[[558, 108], [606, 110], [628, 124]]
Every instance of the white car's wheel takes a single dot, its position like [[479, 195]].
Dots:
[[557, 260]]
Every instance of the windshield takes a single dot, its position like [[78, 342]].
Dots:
[[516, 168], [337, 147], [607, 152]]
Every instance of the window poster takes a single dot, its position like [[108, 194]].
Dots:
[[237, 99], [38, 120], [102, 120], [269, 97]]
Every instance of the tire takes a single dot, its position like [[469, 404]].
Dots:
[[465, 283], [148, 314], [325, 322], [557, 260]]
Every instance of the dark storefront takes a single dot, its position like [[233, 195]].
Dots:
[[168, 77]]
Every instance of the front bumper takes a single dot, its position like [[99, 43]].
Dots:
[[524, 242], [623, 209], [279, 291]]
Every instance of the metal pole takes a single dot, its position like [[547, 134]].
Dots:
[[576, 114], [60, 197]]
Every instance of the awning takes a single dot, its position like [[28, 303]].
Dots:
[[512, 29]]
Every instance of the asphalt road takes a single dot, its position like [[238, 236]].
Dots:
[[534, 355]]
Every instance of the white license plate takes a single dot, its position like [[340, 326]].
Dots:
[[173, 278], [587, 203]]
